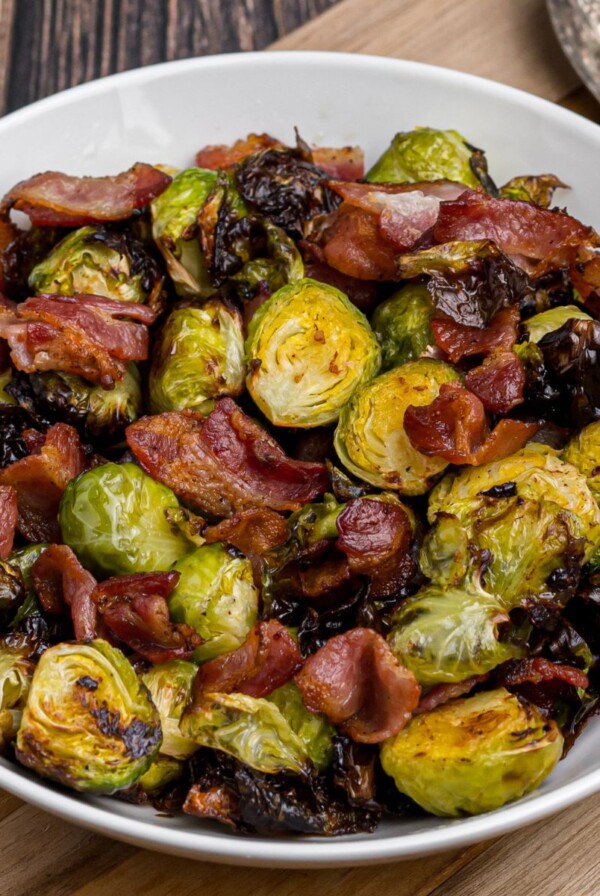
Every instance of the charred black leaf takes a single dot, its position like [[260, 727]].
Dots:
[[13, 421], [569, 381]]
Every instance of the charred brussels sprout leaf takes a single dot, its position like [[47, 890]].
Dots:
[[102, 263], [275, 263], [308, 349], [447, 634], [473, 755], [174, 228], [89, 722], [216, 595], [114, 518], [402, 325], [315, 731], [370, 439], [23, 560], [170, 685], [16, 672], [429, 154], [532, 188], [13, 422], [548, 321], [163, 772], [199, 357], [5, 378], [252, 729], [583, 452], [570, 355]]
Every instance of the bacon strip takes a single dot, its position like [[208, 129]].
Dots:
[[267, 659], [357, 682], [40, 479], [221, 155], [354, 245], [59, 579], [134, 609], [346, 162], [8, 519], [224, 463], [535, 670], [56, 199], [459, 341], [499, 383], [443, 693]]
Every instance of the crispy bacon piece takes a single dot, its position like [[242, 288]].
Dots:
[[86, 335], [40, 479], [459, 341], [56, 199], [223, 463], [538, 239], [221, 155], [219, 803], [354, 245], [499, 383], [59, 579], [535, 670], [8, 519], [454, 427], [345, 162], [266, 660], [134, 609], [361, 293], [443, 693], [357, 682]]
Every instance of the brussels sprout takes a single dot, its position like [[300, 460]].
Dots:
[[170, 685], [252, 729], [95, 261], [89, 722], [583, 452], [16, 672], [473, 755], [281, 264], [547, 321], [162, 772], [174, 228], [532, 188], [5, 378], [199, 356], [402, 325], [100, 411], [114, 518], [308, 349], [315, 731], [23, 560], [370, 439], [447, 634], [216, 595], [428, 154], [12, 589]]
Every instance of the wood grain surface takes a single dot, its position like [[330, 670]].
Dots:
[[46, 45]]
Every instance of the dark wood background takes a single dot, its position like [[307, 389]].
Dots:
[[48, 45]]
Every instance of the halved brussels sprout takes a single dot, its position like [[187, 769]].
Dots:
[[252, 729], [402, 325], [98, 262], [447, 634], [16, 672], [546, 322], [583, 452], [114, 518], [174, 228], [100, 411], [428, 154], [315, 731], [473, 755], [217, 596], [199, 356], [308, 349], [170, 685], [370, 439], [89, 722]]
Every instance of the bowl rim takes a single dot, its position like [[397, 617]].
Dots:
[[310, 852]]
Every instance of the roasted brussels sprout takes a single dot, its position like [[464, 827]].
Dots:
[[23, 560], [163, 772], [583, 452], [315, 731], [101, 263], [199, 357], [429, 154], [216, 595], [170, 685], [473, 755], [16, 672], [547, 321], [278, 264], [402, 325], [174, 228], [447, 634], [253, 729], [115, 519], [89, 722], [370, 439], [308, 349], [5, 378]]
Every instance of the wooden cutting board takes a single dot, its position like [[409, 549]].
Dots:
[[509, 41]]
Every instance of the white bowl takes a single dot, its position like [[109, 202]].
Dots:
[[165, 113]]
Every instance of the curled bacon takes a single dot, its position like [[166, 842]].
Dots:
[[8, 519], [40, 479], [499, 383], [265, 661], [443, 693], [345, 162], [535, 670], [134, 609], [459, 341], [60, 200], [222, 155], [354, 245], [59, 579], [223, 463], [357, 682]]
